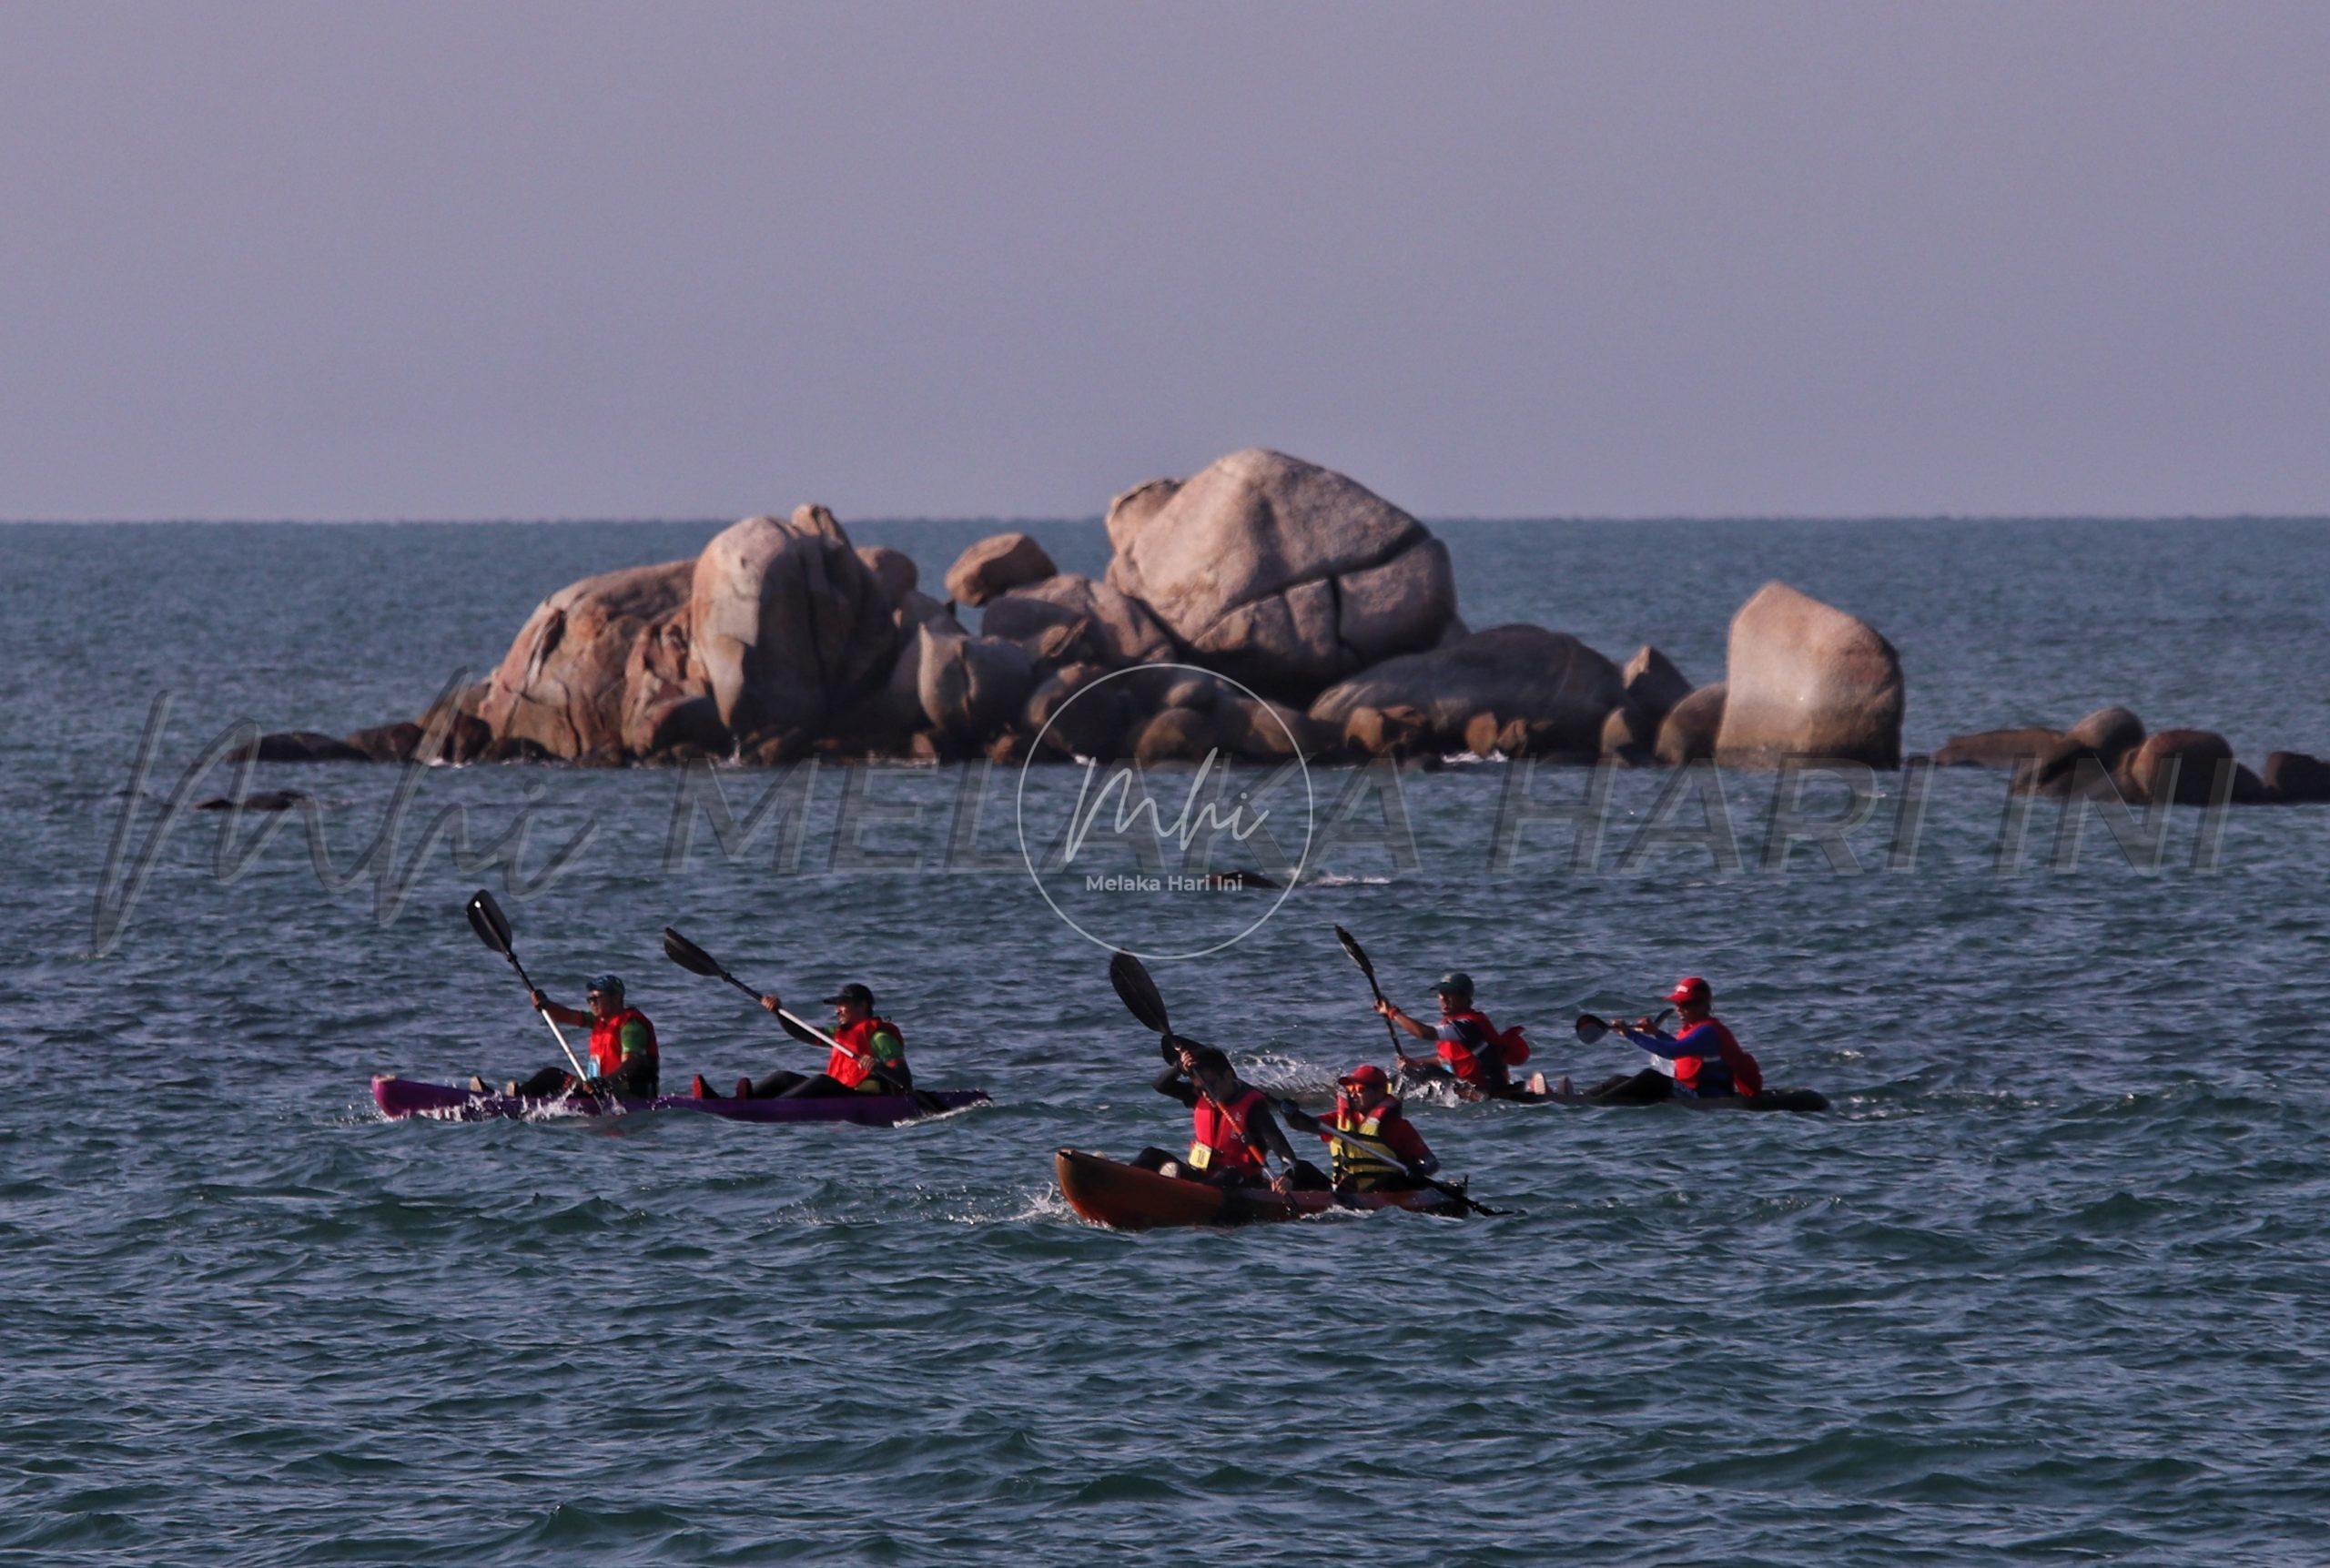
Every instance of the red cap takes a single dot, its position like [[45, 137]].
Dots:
[[1367, 1075], [1689, 988]]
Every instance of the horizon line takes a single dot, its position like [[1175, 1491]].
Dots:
[[1028, 520]]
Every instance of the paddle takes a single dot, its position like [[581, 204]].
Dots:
[[696, 961], [493, 928], [1139, 993], [1592, 1031], [1359, 956]]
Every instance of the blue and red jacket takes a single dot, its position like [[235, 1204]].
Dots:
[[1709, 1062]]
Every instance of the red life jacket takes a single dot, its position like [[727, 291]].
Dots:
[[1483, 1070], [851, 1071], [1747, 1074], [1218, 1140], [606, 1040]]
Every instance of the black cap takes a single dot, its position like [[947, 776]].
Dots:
[[853, 992]]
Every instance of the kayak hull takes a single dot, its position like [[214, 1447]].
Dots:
[[399, 1098], [1770, 1100], [1126, 1197]]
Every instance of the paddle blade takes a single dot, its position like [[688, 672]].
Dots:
[[690, 957], [1358, 954], [1591, 1030], [1139, 993], [487, 920]]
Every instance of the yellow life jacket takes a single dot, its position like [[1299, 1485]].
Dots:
[[1361, 1163]]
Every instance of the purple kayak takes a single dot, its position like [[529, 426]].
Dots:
[[405, 1097]]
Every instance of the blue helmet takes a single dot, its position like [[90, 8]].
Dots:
[[611, 984]]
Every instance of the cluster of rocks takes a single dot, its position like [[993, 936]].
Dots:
[[2108, 751], [1314, 617]]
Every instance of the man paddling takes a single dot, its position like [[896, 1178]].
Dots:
[[1474, 1052], [1701, 1061], [1231, 1127], [623, 1057], [1395, 1158], [869, 1056]]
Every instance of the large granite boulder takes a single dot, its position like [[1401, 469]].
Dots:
[[1097, 623], [561, 684], [788, 626], [1806, 680], [1279, 572], [1654, 685], [1687, 734], [2183, 767], [1073, 717], [1516, 672], [894, 568], [2295, 778], [2102, 740], [996, 564], [663, 707], [970, 687]]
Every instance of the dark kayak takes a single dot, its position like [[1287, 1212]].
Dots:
[[1413, 1079], [1770, 1100], [1126, 1197], [404, 1096]]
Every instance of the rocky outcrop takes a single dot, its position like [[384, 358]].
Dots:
[[561, 684], [1999, 748], [1806, 679], [970, 687], [1091, 725], [788, 626], [1687, 734], [2186, 767], [452, 737], [1087, 621], [1653, 684], [1279, 572], [2295, 778], [894, 568], [298, 746], [1548, 679], [996, 564], [2084, 756]]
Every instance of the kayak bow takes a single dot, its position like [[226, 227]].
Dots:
[[1126, 1197], [400, 1098]]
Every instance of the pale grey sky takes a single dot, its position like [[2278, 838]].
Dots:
[[518, 260]]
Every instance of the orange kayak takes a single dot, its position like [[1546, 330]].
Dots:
[[1127, 1197]]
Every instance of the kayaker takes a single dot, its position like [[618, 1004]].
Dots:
[[1366, 1105], [869, 1057], [1474, 1052], [1701, 1061], [1231, 1127], [623, 1058]]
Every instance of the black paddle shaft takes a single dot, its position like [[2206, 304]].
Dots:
[[1359, 956], [493, 928]]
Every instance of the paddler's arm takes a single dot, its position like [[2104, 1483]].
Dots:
[[1263, 1129], [889, 1063], [1302, 1120], [1656, 1041], [1174, 1085], [1391, 1010], [573, 1016], [1405, 1141]]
